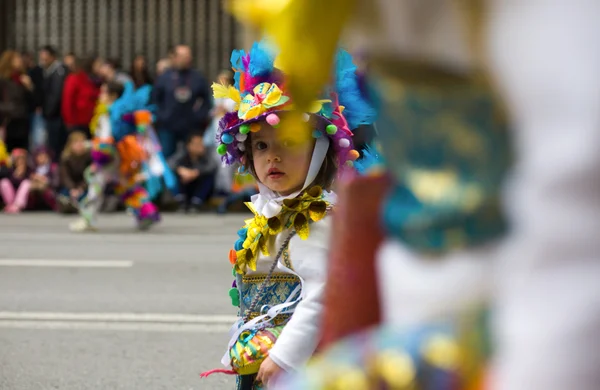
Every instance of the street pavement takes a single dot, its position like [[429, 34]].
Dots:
[[115, 309]]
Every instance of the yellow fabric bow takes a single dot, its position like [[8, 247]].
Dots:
[[265, 97]]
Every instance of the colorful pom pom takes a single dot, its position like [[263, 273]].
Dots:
[[234, 294], [344, 143], [316, 134], [305, 117], [273, 119], [232, 256], [222, 149], [241, 147], [349, 163], [241, 137], [255, 127], [242, 232], [227, 138], [353, 155], [331, 129], [239, 245], [245, 128]]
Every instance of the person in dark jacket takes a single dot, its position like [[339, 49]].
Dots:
[[16, 101], [55, 74], [196, 174], [184, 101], [79, 98], [73, 163]]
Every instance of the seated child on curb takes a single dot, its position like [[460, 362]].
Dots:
[[44, 179], [15, 187], [196, 174], [74, 160]]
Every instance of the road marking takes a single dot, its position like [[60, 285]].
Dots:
[[151, 322], [118, 317], [114, 326], [66, 263]]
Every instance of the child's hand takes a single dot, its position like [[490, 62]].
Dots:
[[268, 370]]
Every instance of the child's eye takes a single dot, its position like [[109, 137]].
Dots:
[[260, 145]]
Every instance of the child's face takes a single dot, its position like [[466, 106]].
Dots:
[[195, 146], [20, 161], [42, 159], [280, 164], [78, 147]]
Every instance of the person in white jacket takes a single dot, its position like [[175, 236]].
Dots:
[[280, 257]]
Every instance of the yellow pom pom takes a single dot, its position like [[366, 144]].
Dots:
[[353, 155], [255, 127]]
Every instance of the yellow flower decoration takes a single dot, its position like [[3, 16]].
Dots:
[[221, 91], [309, 207], [265, 97], [297, 212]]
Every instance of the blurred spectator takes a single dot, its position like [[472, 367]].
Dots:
[[162, 66], [44, 179], [139, 72], [79, 98], [110, 71], [37, 133], [16, 101], [196, 174], [15, 187], [75, 159], [184, 101], [224, 179], [70, 61], [54, 75]]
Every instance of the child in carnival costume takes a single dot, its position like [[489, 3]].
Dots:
[[123, 152], [279, 260]]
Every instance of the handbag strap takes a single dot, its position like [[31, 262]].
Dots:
[[261, 290]]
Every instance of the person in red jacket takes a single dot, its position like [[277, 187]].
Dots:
[[80, 96]]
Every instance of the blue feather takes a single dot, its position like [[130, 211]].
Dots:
[[237, 65], [262, 58], [371, 160], [357, 110]]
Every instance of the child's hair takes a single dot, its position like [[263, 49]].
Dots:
[[324, 178], [115, 88], [73, 137]]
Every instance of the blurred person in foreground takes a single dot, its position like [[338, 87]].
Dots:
[[16, 101], [447, 250], [183, 98], [80, 95], [54, 73]]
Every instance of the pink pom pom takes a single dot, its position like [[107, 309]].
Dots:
[[273, 119]]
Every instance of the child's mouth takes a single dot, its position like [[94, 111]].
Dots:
[[274, 173]]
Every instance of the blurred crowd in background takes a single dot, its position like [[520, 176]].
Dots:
[[47, 102]]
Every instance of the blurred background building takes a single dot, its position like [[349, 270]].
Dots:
[[122, 28]]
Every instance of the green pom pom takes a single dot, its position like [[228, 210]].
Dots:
[[331, 129], [233, 272], [222, 149], [245, 129], [234, 294]]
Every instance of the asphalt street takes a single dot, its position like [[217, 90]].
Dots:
[[115, 309]]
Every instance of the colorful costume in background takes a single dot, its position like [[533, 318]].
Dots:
[[279, 260], [446, 253], [125, 151]]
